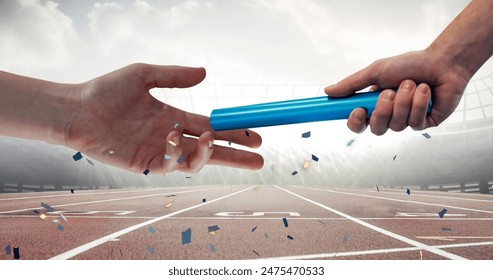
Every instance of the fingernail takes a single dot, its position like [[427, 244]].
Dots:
[[422, 89], [359, 117], [407, 85], [388, 96], [211, 144], [328, 88]]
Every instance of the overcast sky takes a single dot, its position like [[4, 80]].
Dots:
[[245, 41]]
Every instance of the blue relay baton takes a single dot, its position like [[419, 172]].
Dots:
[[313, 109]]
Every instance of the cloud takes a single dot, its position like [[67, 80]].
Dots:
[[36, 36]]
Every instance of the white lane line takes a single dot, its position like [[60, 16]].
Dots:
[[400, 200], [107, 200], [381, 230], [81, 193], [343, 254], [369, 252], [83, 248], [440, 196]]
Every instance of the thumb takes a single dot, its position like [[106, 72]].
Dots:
[[165, 76], [352, 83]]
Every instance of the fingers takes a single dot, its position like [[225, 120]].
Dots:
[[198, 124], [173, 152], [421, 99], [353, 83], [380, 118], [200, 156], [164, 76], [357, 120], [402, 105], [236, 158]]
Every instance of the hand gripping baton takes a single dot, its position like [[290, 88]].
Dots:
[[313, 109]]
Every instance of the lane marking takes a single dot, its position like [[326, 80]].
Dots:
[[369, 252], [85, 247], [453, 238], [405, 214], [80, 193], [400, 200], [404, 239], [254, 214], [107, 200]]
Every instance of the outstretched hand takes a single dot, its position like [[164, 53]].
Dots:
[[418, 76], [120, 123]]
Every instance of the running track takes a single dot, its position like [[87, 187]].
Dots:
[[323, 223]]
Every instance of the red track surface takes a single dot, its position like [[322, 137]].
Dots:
[[325, 223]]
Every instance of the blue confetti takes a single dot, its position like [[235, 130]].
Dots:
[[408, 192], [426, 135], [290, 237], [180, 159], [167, 157], [186, 236], [442, 213], [90, 162], [77, 156], [247, 133], [285, 221], [314, 157], [72, 190], [294, 173], [345, 238], [350, 143], [17, 254], [150, 250], [152, 230], [254, 228], [394, 158], [60, 227], [446, 229], [213, 228], [47, 207], [36, 211], [7, 250], [306, 134], [213, 248], [204, 200], [146, 172]]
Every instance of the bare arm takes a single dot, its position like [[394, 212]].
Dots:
[[115, 120], [444, 69]]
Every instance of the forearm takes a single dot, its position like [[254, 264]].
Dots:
[[467, 42], [35, 109]]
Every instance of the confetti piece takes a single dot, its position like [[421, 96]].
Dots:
[[172, 143], [213, 248], [180, 159], [442, 213], [321, 222], [256, 253], [60, 227], [345, 238], [314, 157], [167, 157], [36, 211], [350, 143], [294, 173], [378, 189], [17, 254], [150, 250], [285, 221], [90, 162], [42, 216], [152, 230], [47, 207], [72, 190], [168, 205], [55, 221], [7, 250], [77, 156], [213, 228], [426, 135], [111, 152], [408, 192], [306, 134], [63, 217], [446, 229], [204, 200], [186, 236], [188, 177], [290, 237], [229, 143], [247, 133], [146, 172], [266, 236], [254, 228], [176, 125], [394, 158], [171, 195], [306, 164]]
